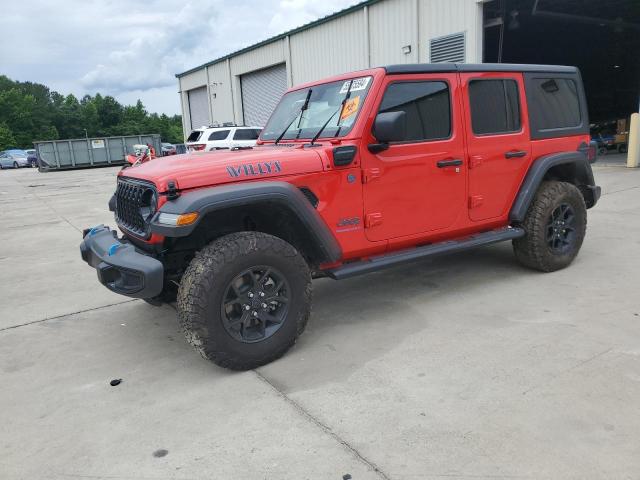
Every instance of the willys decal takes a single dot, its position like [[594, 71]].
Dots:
[[253, 169]]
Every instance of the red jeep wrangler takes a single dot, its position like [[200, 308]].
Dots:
[[352, 174]]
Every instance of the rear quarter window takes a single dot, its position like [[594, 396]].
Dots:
[[557, 105], [246, 134]]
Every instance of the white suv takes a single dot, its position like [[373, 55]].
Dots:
[[225, 137]]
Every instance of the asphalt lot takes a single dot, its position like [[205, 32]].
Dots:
[[463, 367]]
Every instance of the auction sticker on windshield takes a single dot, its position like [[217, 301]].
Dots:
[[356, 84], [350, 107]]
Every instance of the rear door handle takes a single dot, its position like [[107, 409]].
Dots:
[[515, 154], [449, 163]]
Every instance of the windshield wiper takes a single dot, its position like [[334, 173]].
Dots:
[[305, 105], [342, 104]]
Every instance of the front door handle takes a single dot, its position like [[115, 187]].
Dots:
[[515, 154], [449, 163]]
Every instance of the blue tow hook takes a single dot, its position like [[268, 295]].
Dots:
[[113, 248], [95, 230]]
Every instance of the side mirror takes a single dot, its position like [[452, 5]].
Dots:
[[388, 127]]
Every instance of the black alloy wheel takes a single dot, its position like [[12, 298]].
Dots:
[[561, 232], [255, 304]]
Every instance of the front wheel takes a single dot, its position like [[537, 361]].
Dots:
[[244, 299], [15, 165], [555, 226]]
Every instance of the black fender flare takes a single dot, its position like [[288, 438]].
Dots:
[[582, 177], [211, 199]]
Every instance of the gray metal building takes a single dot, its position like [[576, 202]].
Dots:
[[245, 86]]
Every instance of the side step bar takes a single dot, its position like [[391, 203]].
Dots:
[[396, 258]]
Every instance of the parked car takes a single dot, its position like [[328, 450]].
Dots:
[[13, 159], [222, 138], [352, 174], [168, 149], [32, 156]]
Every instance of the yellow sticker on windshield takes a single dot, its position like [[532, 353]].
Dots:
[[350, 107]]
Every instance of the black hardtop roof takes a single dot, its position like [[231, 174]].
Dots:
[[475, 67]]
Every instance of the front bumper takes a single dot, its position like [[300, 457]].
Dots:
[[120, 267]]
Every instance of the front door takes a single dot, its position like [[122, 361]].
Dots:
[[497, 141], [417, 185]]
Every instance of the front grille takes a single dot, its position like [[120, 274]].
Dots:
[[131, 196]]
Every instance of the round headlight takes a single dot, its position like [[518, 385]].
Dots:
[[148, 204]]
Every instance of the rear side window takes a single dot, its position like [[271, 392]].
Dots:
[[427, 106], [194, 136], [246, 134], [495, 108], [219, 135], [555, 103]]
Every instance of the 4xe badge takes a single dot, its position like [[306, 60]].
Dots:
[[348, 224], [253, 169]]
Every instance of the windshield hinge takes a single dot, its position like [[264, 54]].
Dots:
[[172, 190]]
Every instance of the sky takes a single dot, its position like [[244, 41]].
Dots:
[[132, 49]]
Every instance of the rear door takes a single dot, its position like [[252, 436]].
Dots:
[[218, 139], [417, 185], [498, 140]]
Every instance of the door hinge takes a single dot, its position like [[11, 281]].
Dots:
[[370, 174], [475, 201], [475, 161], [373, 220]]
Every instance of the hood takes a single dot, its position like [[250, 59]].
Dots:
[[200, 169]]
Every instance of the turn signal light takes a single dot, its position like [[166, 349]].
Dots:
[[177, 220], [187, 218]]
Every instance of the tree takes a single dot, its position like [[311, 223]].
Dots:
[[7, 140], [31, 111]]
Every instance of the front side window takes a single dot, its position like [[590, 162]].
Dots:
[[219, 135], [324, 106], [427, 106], [495, 107]]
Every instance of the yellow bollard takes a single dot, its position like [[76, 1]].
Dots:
[[633, 150]]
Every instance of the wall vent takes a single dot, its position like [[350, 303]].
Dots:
[[448, 49]]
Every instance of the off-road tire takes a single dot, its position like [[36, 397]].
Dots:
[[533, 249], [203, 286]]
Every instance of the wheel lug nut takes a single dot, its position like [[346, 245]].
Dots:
[[255, 314], [264, 305], [261, 294], [250, 294], [247, 307]]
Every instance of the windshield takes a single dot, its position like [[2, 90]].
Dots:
[[325, 101]]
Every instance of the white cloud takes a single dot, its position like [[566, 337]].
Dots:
[[133, 48]]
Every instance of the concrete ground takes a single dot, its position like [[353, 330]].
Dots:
[[464, 367]]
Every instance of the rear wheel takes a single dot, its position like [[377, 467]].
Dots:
[[244, 299], [555, 226]]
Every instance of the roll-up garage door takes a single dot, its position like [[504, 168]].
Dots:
[[198, 107], [261, 92]]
